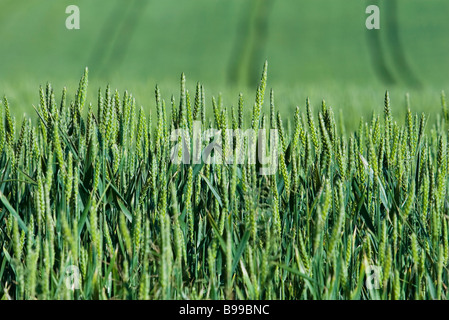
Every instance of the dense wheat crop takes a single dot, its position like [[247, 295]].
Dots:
[[93, 205]]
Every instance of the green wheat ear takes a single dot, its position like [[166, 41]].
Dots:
[[259, 99], [9, 125], [297, 132], [311, 123], [444, 106], [2, 131]]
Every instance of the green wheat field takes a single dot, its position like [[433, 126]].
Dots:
[[94, 189], [94, 206]]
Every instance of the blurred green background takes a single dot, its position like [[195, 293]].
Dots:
[[316, 48]]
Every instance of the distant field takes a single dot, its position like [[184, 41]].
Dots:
[[315, 48]]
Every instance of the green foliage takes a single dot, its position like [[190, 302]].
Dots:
[[100, 192]]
